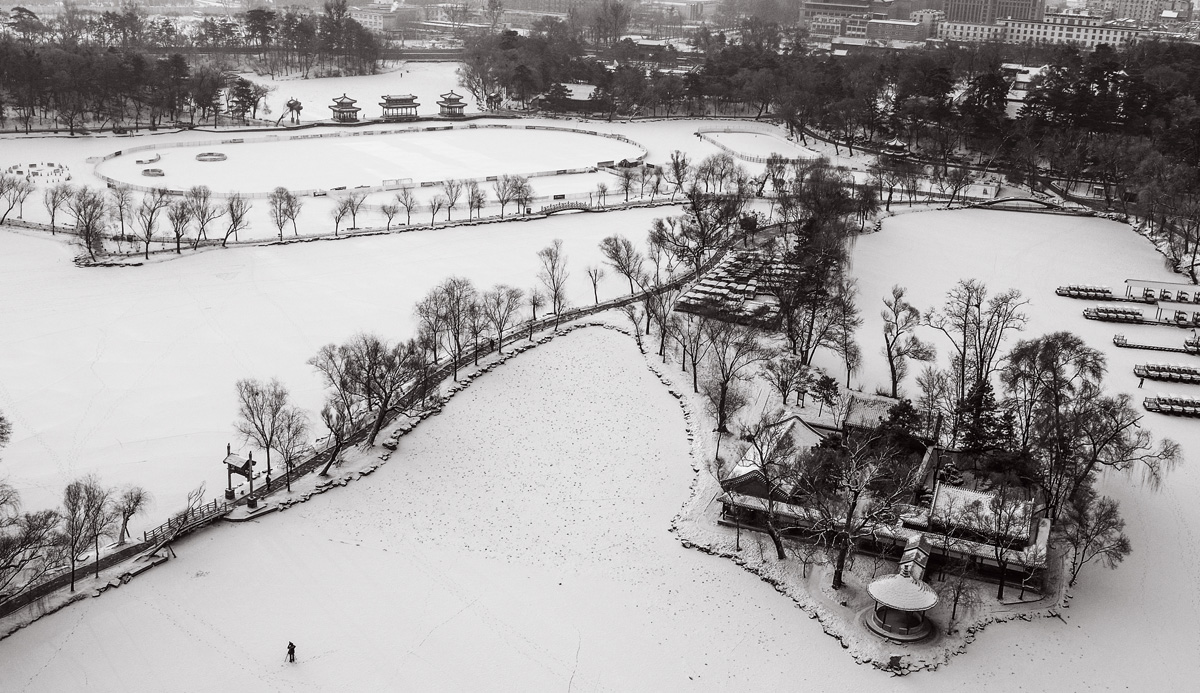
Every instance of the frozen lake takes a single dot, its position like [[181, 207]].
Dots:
[[368, 158]]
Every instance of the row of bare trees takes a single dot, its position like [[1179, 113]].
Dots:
[[35, 545], [95, 213]]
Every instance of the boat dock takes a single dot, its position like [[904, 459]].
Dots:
[[1187, 375], [1190, 346], [1173, 405]]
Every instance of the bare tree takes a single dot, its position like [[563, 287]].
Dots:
[[601, 192], [626, 180], [354, 202], [504, 190], [476, 199], [340, 209], [536, 300], [502, 307], [621, 255], [477, 324], [522, 193], [384, 369], [772, 454], [292, 207], [122, 203], [338, 419], [900, 318], [595, 274], [679, 170], [452, 189], [1095, 530], [292, 441], [153, 203], [406, 199], [88, 209], [783, 372], [976, 326], [278, 199], [27, 542], [199, 198], [101, 518], [237, 208], [436, 204], [960, 589], [553, 276], [260, 412], [852, 491], [179, 214], [493, 10], [14, 191], [54, 198], [131, 501], [458, 297], [337, 367], [692, 336], [732, 350], [431, 316], [84, 507], [390, 210]]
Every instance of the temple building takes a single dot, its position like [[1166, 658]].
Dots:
[[400, 107], [451, 105], [344, 110]]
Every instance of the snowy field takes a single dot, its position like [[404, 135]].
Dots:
[[757, 144], [516, 542], [354, 160], [130, 372], [442, 571]]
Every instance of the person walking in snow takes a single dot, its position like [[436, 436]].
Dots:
[[291, 655]]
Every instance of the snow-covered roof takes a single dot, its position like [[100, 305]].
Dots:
[[866, 411], [903, 593], [973, 509]]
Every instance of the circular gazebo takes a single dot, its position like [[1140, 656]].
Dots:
[[896, 148], [900, 605]]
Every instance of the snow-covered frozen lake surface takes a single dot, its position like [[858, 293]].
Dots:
[[758, 144], [365, 157], [518, 541], [130, 372]]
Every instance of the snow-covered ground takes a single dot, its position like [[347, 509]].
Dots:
[[354, 160], [758, 144], [516, 542], [130, 372]]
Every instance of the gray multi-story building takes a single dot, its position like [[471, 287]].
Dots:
[[992, 11]]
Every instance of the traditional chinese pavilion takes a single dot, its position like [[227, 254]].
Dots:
[[401, 107], [451, 105], [901, 600], [344, 110]]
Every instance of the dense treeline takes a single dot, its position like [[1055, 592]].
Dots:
[[85, 68], [1119, 126], [290, 39]]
